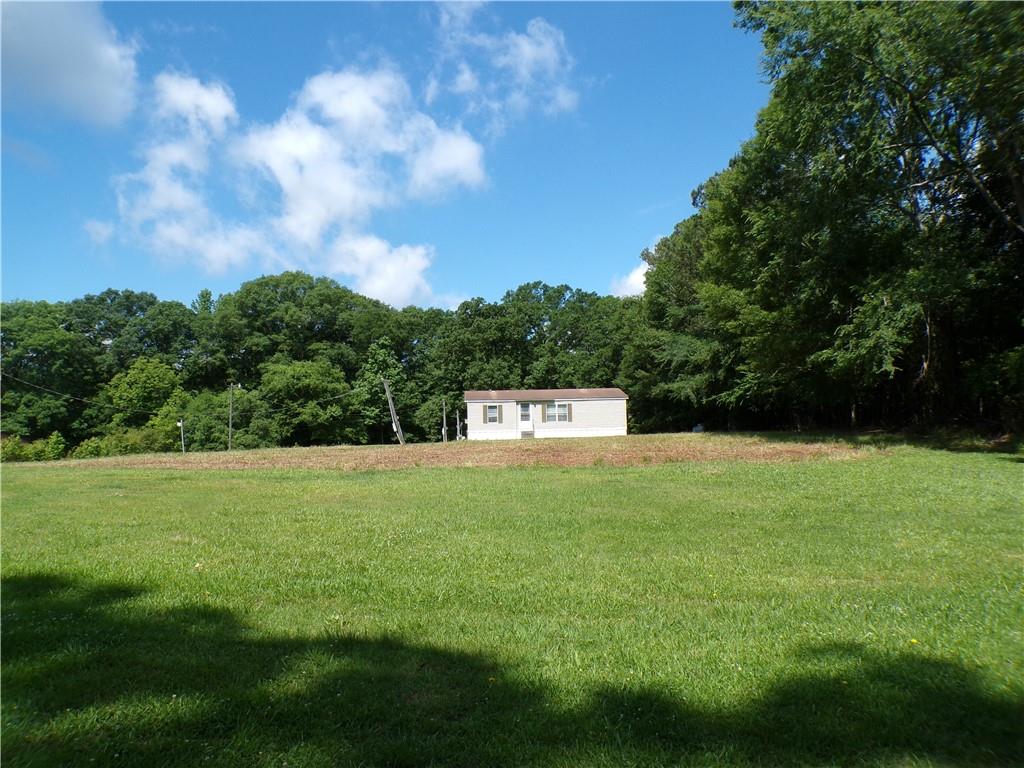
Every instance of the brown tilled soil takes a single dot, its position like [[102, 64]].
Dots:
[[633, 450]]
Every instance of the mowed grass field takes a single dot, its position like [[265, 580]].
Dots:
[[719, 607]]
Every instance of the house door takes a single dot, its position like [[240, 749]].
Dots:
[[525, 420]]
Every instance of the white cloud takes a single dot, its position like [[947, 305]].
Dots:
[[393, 274], [538, 54], [442, 159], [176, 29], [465, 80], [165, 185], [99, 232], [319, 186], [353, 143], [216, 246], [203, 107], [456, 16], [67, 57], [502, 75], [632, 284], [562, 99], [431, 91], [365, 109], [164, 204], [165, 200], [450, 301]]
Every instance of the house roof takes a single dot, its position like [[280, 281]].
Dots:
[[484, 395]]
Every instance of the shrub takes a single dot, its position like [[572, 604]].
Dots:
[[90, 448], [130, 441], [52, 448], [35, 451], [55, 447], [152, 438], [12, 449]]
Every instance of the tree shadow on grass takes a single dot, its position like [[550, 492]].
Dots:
[[864, 709], [92, 677], [940, 440]]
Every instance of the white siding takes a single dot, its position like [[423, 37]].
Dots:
[[477, 427], [590, 418]]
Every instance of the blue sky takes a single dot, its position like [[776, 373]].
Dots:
[[418, 153]]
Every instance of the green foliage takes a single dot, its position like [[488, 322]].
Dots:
[[428, 417], [90, 448], [41, 349], [52, 448], [308, 403], [166, 332], [369, 401], [858, 257], [125, 442], [137, 393], [12, 449], [56, 447]]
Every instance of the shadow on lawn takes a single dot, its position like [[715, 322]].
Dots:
[[950, 440], [90, 677]]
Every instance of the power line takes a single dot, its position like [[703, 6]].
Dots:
[[314, 402], [74, 397], [153, 413]]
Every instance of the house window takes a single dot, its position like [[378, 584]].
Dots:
[[524, 411], [558, 412], [492, 414]]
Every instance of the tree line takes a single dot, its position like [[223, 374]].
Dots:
[[860, 262], [292, 359]]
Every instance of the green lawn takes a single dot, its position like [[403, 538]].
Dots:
[[863, 611]]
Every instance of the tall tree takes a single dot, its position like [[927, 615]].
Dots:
[[44, 355], [860, 257], [309, 402]]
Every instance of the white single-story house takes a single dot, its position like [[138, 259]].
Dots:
[[511, 414]]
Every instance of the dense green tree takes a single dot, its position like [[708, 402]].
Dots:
[[103, 317], [165, 331], [369, 401], [136, 394], [206, 367], [308, 402], [42, 356], [860, 257], [911, 183], [293, 316]]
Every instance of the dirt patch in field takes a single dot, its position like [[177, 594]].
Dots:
[[634, 450]]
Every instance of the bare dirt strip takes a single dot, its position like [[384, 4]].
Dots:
[[634, 450]]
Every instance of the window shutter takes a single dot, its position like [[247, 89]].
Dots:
[[485, 413], [543, 411], [569, 409], [499, 414]]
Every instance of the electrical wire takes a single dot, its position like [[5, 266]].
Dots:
[[74, 397], [147, 413]]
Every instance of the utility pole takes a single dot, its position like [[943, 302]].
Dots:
[[181, 426], [444, 421], [231, 409], [395, 425]]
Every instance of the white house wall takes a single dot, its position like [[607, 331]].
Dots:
[[477, 427], [590, 418]]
